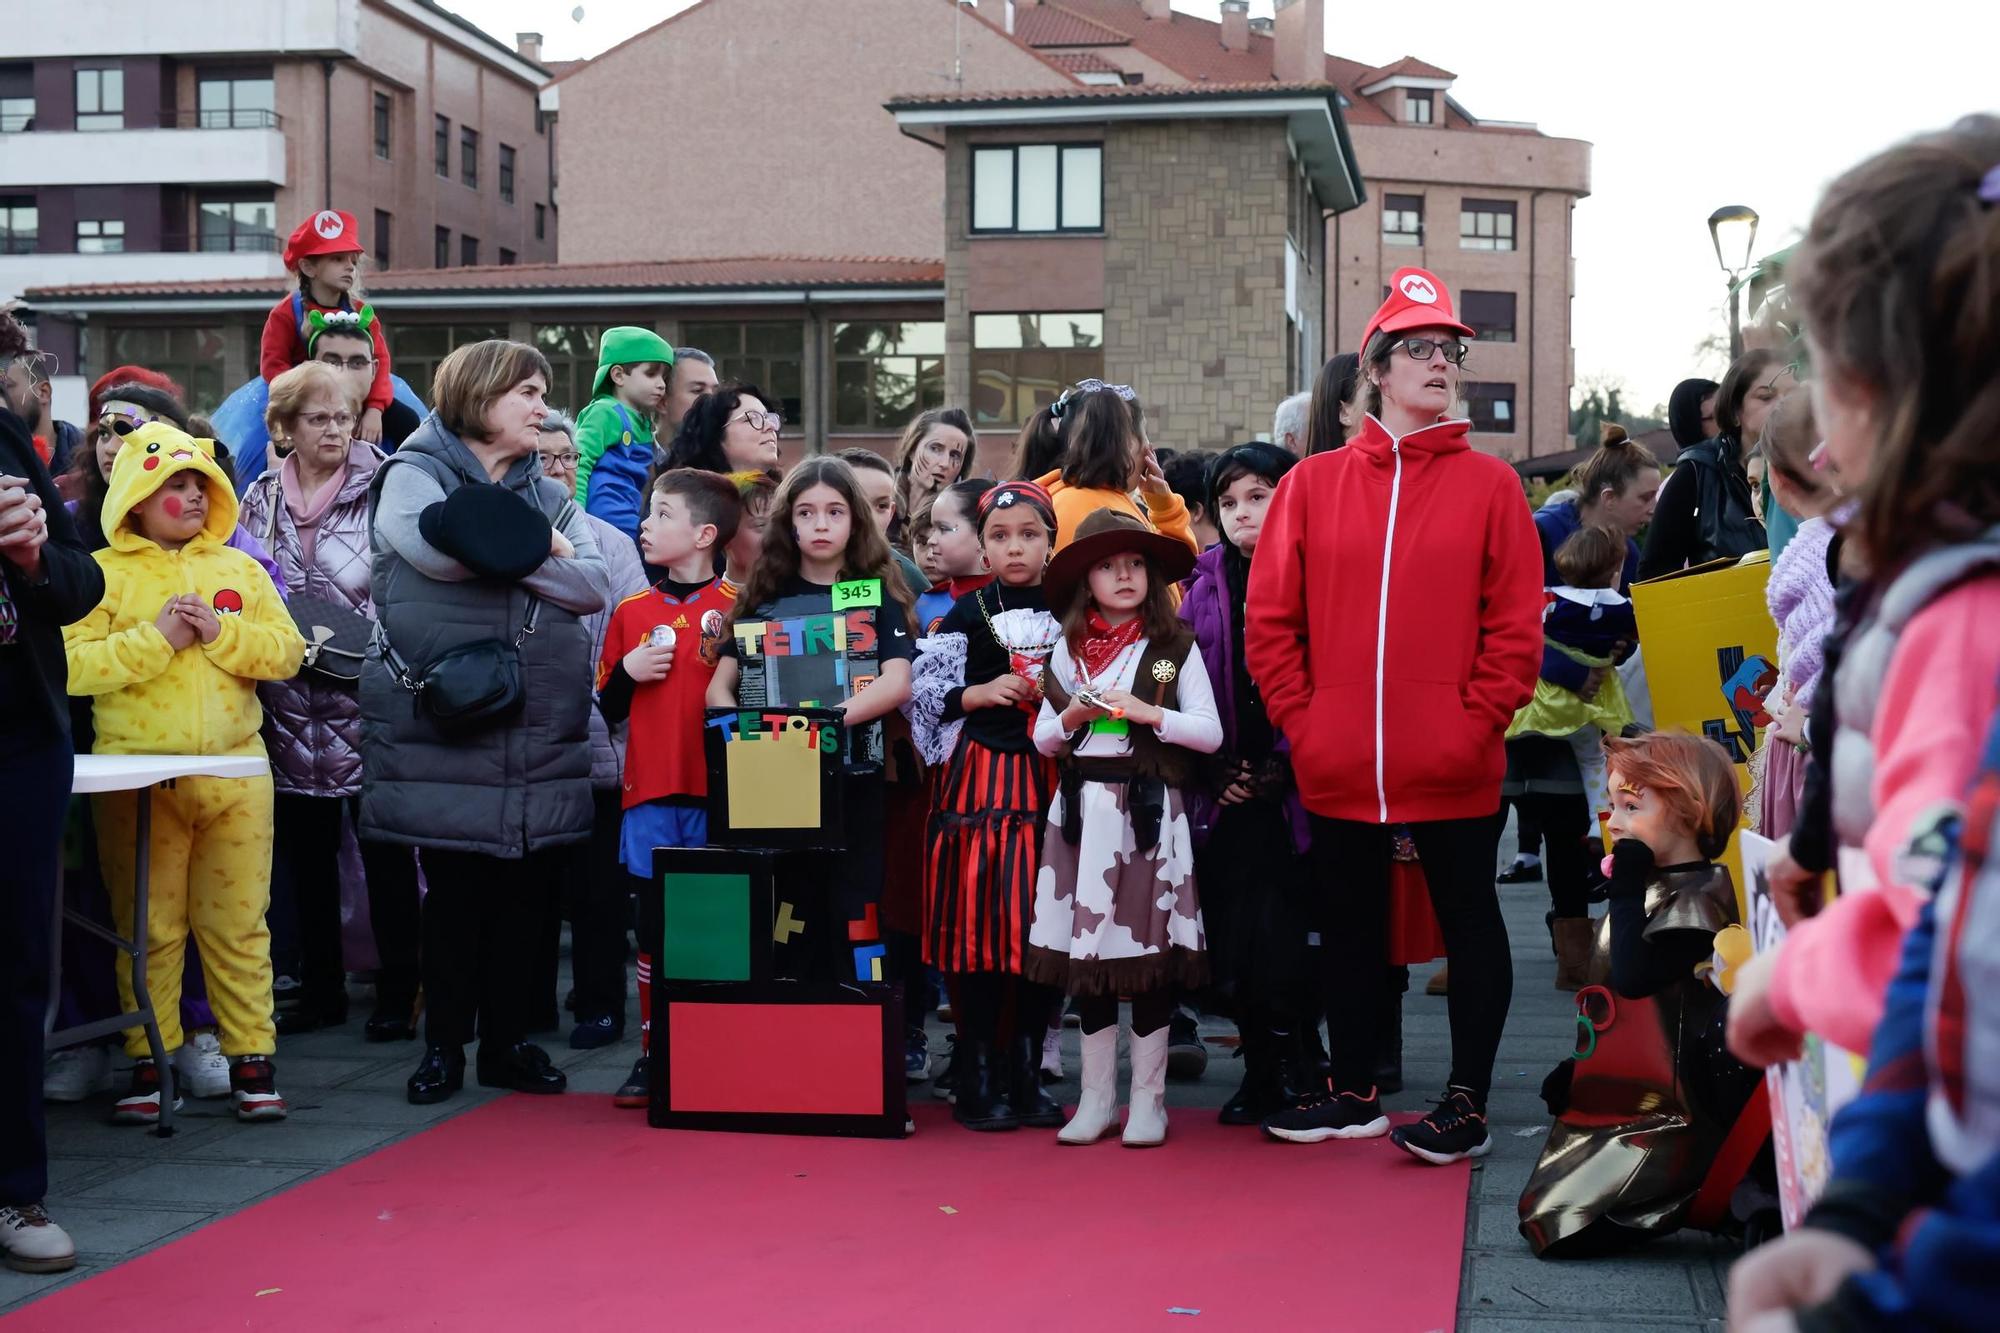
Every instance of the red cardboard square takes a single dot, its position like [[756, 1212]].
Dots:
[[721, 1058]]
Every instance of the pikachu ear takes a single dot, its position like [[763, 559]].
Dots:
[[207, 446]]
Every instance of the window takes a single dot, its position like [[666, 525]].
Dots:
[[100, 236], [770, 355], [1403, 219], [237, 224], [541, 222], [441, 255], [1417, 108], [1490, 313], [1485, 224], [418, 349], [468, 251], [506, 174], [236, 102], [441, 147], [1021, 362], [384, 225], [100, 99], [16, 114], [1038, 188], [886, 373], [382, 121], [506, 257], [18, 225], [468, 156], [1491, 407], [1304, 219], [572, 353], [192, 356]]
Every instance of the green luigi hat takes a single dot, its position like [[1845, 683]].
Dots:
[[624, 346]]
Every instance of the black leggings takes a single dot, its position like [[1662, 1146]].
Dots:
[[306, 844], [1150, 1011], [1351, 878], [1564, 820]]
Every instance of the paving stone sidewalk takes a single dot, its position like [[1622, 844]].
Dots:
[[122, 1191]]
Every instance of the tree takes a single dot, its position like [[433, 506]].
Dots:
[[1602, 399]]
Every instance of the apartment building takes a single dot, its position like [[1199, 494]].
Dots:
[[143, 142]]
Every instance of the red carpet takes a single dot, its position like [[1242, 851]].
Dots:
[[565, 1214]]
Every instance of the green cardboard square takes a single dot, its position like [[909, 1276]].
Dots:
[[707, 927]]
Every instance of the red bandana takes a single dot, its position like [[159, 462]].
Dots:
[[1105, 643]]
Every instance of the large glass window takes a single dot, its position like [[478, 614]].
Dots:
[[886, 373], [1491, 407], [192, 356], [18, 225], [16, 113], [1417, 108], [417, 349], [572, 353], [1491, 314], [441, 248], [1486, 224], [1022, 361], [100, 99], [1038, 188], [769, 354], [233, 102], [100, 236], [238, 224], [1403, 219]]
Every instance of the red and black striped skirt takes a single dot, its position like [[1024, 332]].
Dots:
[[985, 848]]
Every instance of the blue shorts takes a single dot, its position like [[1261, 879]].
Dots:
[[658, 824]]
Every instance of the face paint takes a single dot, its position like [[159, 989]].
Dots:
[[172, 505]]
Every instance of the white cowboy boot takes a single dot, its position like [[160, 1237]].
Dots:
[[1146, 1118], [1097, 1108]]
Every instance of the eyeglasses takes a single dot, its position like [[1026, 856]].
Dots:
[[321, 420], [568, 459], [347, 363], [1420, 349], [761, 420]]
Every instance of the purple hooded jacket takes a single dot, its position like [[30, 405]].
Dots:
[[1205, 606]]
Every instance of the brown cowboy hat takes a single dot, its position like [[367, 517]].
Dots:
[[1101, 535]]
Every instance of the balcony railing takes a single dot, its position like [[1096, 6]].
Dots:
[[241, 118]]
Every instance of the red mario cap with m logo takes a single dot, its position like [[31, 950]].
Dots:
[[1417, 300], [331, 231]]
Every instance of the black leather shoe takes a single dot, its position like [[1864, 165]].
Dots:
[[390, 1026], [1030, 1104], [439, 1074], [979, 1104], [522, 1067], [309, 1016]]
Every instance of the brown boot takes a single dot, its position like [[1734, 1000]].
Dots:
[[1440, 983], [1576, 937]]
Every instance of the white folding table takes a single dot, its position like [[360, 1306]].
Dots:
[[141, 773]]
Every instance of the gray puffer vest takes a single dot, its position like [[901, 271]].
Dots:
[[311, 726], [516, 787], [1857, 686]]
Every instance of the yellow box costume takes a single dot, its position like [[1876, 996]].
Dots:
[[211, 839]]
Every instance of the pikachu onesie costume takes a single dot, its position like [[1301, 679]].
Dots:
[[211, 837]]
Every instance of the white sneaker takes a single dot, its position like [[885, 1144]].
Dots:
[[200, 1067], [1052, 1067], [77, 1074], [31, 1243]]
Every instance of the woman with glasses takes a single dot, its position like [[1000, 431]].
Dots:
[[729, 429], [311, 508], [936, 450], [1394, 626]]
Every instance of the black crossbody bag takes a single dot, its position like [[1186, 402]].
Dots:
[[467, 688]]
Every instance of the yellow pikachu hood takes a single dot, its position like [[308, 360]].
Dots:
[[151, 454]]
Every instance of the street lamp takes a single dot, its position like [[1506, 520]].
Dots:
[[1733, 228]]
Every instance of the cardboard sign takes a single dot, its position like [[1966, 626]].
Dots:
[[810, 651], [718, 914], [1807, 1092], [774, 777], [842, 1071], [1711, 652]]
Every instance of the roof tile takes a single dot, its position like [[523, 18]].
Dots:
[[1059, 25]]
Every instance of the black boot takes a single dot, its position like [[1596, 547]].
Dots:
[[1292, 1075], [1389, 1043], [520, 1067], [440, 1074], [1255, 1098], [980, 1079], [1313, 1051], [1031, 1106]]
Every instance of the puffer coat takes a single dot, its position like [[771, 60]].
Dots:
[[312, 727]]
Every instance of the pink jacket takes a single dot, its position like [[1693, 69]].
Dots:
[[1835, 968]]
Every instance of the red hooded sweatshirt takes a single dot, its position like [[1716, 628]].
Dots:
[[1395, 623]]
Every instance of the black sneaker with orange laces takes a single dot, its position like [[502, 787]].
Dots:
[[1453, 1132], [253, 1089], [1324, 1114]]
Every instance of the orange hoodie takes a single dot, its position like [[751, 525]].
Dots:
[[1163, 513]]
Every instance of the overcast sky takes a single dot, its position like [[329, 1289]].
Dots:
[[1725, 102]]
